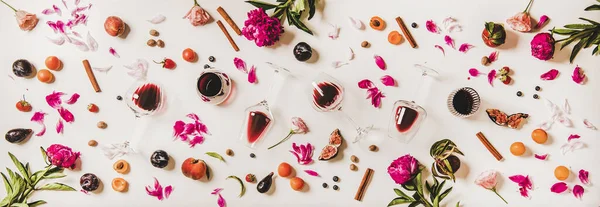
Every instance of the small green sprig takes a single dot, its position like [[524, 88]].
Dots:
[[290, 9], [436, 195], [586, 35]]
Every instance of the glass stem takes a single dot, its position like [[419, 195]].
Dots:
[[359, 130], [8, 5]]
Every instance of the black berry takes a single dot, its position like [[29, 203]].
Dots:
[[159, 159], [414, 25], [211, 59], [325, 185], [206, 66], [22, 68], [519, 93], [302, 52], [335, 187], [536, 96], [537, 88], [119, 98], [336, 178], [252, 155]]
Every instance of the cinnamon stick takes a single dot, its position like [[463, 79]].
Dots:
[[90, 74], [363, 184], [409, 37], [489, 146], [229, 20], [235, 47]]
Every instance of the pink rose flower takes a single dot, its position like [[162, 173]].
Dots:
[[488, 181], [521, 21], [197, 16], [542, 46], [62, 156], [403, 169], [300, 126], [26, 21]]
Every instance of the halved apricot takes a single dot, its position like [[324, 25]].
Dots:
[[119, 184], [377, 23], [395, 38]]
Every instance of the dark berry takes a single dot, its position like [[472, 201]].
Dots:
[[252, 155], [537, 88], [159, 159], [325, 185], [414, 25], [119, 98], [22, 68], [336, 178], [206, 66], [519, 93], [211, 59], [335, 187], [89, 182], [302, 51], [536, 96]]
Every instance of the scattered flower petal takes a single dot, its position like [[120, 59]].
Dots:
[[157, 19], [48, 11], [567, 107], [546, 125], [65, 3], [451, 25], [92, 42], [388, 80], [491, 76], [80, 44], [157, 191], [53, 99], [338, 64], [196, 140], [578, 191], [168, 191], [73, 98], [474, 72], [573, 136], [524, 184], [39, 118], [116, 150], [221, 201], [465, 47], [57, 41], [441, 48], [584, 176], [303, 153], [196, 129], [216, 191], [351, 54], [517, 178], [578, 75], [559, 187], [334, 32], [138, 69], [493, 56], [240, 64], [541, 157], [66, 115], [454, 28], [252, 75], [449, 41], [432, 27], [379, 61], [59, 126], [312, 173], [356, 23], [376, 99], [77, 34], [113, 52], [564, 120], [99, 69], [571, 146], [542, 21], [550, 75], [57, 10], [365, 84], [589, 125]]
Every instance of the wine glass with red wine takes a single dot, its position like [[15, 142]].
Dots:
[[213, 86], [258, 118], [145, 98]]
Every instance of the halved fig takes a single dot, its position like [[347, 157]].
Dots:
[[336, 138], [328, 152]]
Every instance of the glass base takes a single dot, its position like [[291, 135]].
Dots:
[[368, 136]]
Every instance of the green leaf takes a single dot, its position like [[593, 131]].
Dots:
[[20, 167], [590, 21], [591, 39], [7, 184], [576, 50], [414, 204], [449, 170], [55, 175], [216, 155], [19, 205], [311, 8], [243, 188], [57, 187], [5, 201], [296, 22], [419, 183], [261, 4], [288, 15], [458, 204], [400, 193], [563, 31], [579, 26], [44, 155], [595, 52], [593, 7], [398, 201], [36, 203], [282, 1], [445, 193], [428, 187], [299, 6], [409, 187], [489, 26], [278, 13], [440, 187]]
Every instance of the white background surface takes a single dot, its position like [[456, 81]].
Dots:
[[224, 121]]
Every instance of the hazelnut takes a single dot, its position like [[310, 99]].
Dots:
[[160, 43], [364, 44], [353, 167], [373, 148], [354, 159], [485, 60], [153, 32], [101, 125], [92, 143], [151, 43], [229, 152]]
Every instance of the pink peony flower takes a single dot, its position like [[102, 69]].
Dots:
[[403, 169], [197, 16], [488, 181], [26, 20], [542, 46], [261, 28], [62, 156]]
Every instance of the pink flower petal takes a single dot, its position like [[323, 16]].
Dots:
[[73, 98], [441, 48], [59, 126], [196, 140], [432, 27], [365, 84], [449, 41], [102, 69], [113, 52], [216, 191], [77, 2], [296, 148], [240, 65], [52, 25], [376, 99], [542, 21], [584, 176], [388, 80], [39, 118], [57, 10], [334, 32], [296, 155], [53, 99], [465, 47], [80, 44], [474, 72], [573, 136], [578, 75], [193, 116], [541, 157], [221, 201], [493, 56], [578, 191], [65, 3], [201, 128], [517, 178], [252, 75], [178, 128], [157, 191], [550, 75], [57, 41], [567, 107], [372, 92], [48, 11], [168, 191], [379, 61], [491, 77], [559, 187], [312, 173], [92, 42], [66, 115], [589, 125]]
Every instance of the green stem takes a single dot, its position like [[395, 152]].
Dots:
[[195, 3], [494, 190], [528, 5], [424, 201], [9, 5], [283, 140]]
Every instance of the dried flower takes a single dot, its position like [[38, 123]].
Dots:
[[197, 15], [261, 28], [62, 156], [299, 127], [584, 176], [542, 46], [488, 181], [403, 169], [521, 21]]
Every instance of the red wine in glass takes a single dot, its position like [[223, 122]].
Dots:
[[209, 84], [148, 97], [326, 95], [257, 125], [405, 118]]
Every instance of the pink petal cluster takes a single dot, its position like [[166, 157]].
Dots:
[[542, 46], [578, 75], [487, 179], [241, 66], [54, 101], [303, 153], [550, 75], [220, 201], [372, 92], [65, 28], [403, 169], [27, 21], [158, 191], [192, 132], [261, 28], [299, 126], [197, 16], [524, 184], [520, 22], [38, 117], [62, 156]]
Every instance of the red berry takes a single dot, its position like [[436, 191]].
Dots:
[[23, 106], [167, 63], [93, 108], [507, 80], [250, 178]]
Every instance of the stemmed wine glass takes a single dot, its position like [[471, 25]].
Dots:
[[145, 98], [258, 118]]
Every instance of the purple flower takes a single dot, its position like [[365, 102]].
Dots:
[[403, 169], [261, 28], [542, 46], [62, 156]]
